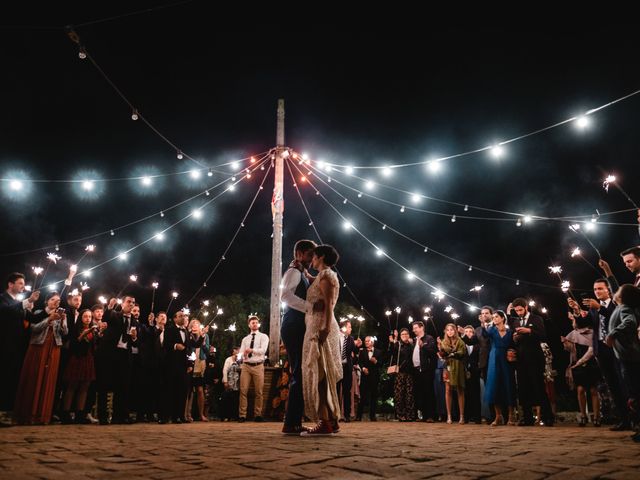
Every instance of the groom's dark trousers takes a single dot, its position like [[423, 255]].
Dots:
[[292, 334]]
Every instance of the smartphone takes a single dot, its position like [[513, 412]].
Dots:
[[584, 296]]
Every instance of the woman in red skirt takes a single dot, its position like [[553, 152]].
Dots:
[[36, 393], [80, 371]]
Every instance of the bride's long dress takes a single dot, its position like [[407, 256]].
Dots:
[[321, 361]]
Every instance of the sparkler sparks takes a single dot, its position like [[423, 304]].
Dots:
[[53, 257]]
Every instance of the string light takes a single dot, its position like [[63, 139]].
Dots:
[[179, 155], [497, 151], [87, 185], [452, 259], [134, 115]]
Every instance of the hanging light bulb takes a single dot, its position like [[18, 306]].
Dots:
[[179, 155], [82, 53], [134, 115], [402, 209], [453, 219], [518, 223]]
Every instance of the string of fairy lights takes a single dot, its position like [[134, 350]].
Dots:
[[415, 198], [426, 248], [196, 214], [497, 150], [259, 163]]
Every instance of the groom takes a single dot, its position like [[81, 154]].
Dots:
[[294, 293]]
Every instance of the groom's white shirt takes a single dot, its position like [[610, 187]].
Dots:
[[290, 281]]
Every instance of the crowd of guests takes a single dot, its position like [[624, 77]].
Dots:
[[502, 372], [61, 361], [161, 369]]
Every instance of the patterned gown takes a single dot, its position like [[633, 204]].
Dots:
[[321, 361]]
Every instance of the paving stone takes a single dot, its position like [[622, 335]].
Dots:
[[361, 451]]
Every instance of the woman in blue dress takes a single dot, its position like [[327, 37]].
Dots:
[[499, 389]]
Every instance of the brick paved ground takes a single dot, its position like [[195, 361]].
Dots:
[[363, 451]]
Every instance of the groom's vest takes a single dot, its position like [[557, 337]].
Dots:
[[292, 314]]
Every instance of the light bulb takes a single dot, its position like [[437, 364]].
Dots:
[[134, 115]]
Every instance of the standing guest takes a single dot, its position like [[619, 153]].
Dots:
[[114, 363], [348, 349], [13, 315], [36, 393], [136, 381], [200, 354], [403, 386], [500, 385], [623, 338], [97, 312], [600, 309], [294, 293], [472, 390], [424, 360], [369, 359], [583, 370], [253, 349], [484, 345], [231, 383], [80, 370], [453, 350], [150, 352], [177, 342], [528, 334]]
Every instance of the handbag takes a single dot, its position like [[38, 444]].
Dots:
[[512, 355], [394, 369]]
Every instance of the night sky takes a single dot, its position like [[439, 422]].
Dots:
[[361, 98]]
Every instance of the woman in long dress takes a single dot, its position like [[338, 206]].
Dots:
[[39, 375], [499, 389], [321, 362]]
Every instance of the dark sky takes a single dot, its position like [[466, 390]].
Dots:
[[362, 97]]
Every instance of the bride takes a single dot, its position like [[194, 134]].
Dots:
[[321, 362]]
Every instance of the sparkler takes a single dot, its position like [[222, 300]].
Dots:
[[154, 286], [611, 179], [576, 228], [576, 252], [36, 271], [52, 257], [88, 249], [361, 321], [174, 295], [132, 279], [565, 285]]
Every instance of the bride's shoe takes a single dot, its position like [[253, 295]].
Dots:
[[497, 421]]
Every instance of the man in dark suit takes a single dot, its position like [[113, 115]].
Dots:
[[529, 332], [348, 350], [114, 360], [13, 315], [176, 344], [600, 309], [424, 360], [472, 387], [149, 354], [369, 360]]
